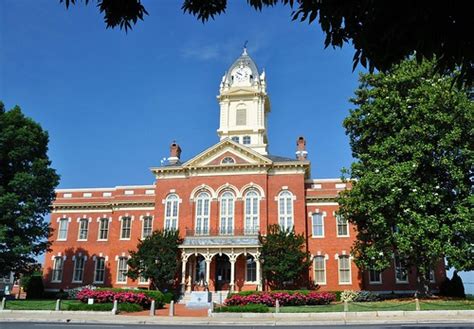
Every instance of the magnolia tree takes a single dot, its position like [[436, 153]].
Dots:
[[284, 257], [411, 134], [157, 259]]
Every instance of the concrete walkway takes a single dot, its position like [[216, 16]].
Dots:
[[387, 317]]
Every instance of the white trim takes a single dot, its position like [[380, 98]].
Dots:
[[165, 202], [339, 257], [200, 188], [293, 198], [222, 189], [323, 217], [245, 277], [60, 220], [325, 259], [324, 180], [95, 268], [121, 226], [142, 219], [118, 269], [62, 190], [54, 266], [337, 227], [79, 221], [250, 186], [108, 227], [375, 282], [407, 281], [74, 268]]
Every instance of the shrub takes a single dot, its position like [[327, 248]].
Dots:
[[108, 296], [151, 294], [338, 295], [249, 308], [168, 297], [348, 295], [72, 293], [453, 287], [34, 288], [366, 296], [106, 307], [285, 298]]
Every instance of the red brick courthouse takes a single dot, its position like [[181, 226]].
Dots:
[[220, 200]]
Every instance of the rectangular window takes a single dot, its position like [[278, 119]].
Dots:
[[79, 263], [236, 139], [171, 212], [241, 119], [104, 229], [99, 271], [122, 270], [58, 266], [401, 272], [344, 270], [251, 271], [375, 276], [342, 226], [431, 276], [83, 229], [63, 225], [126, 229], [246, 140], [147, 226], [320, 269], [318, 225]]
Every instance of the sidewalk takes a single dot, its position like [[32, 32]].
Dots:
[[386, 317]]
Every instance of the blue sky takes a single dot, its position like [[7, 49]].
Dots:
[[113, 102]]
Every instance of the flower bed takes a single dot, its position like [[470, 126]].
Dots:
[[108, 296], [289, 298]]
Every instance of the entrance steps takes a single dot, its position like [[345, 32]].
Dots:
[[217, 297]]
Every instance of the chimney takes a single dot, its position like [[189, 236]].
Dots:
[[301, 153], [175, 153]]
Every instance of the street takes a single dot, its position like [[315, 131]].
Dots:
[[38, 325]]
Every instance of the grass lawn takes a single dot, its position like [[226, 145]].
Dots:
[[399, 305], [47, 305]]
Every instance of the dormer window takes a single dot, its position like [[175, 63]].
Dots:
[[228, 160]]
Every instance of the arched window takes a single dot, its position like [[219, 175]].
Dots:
[[228, 160], [252, 218], [171, 212], [227, 213], [285, 210], [203, 203]]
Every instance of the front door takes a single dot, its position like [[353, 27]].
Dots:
[[222, 272]]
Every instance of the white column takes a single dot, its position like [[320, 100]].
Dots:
[[259, 279], [232, 274], [183, 274], [208, 271]]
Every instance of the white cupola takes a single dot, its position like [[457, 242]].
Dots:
[[244, 104]]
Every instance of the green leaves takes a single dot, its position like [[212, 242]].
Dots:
[[27, 184], [156, 258], [411, 133], [284, 257]]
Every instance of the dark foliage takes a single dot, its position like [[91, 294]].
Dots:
[[383, 33], [453, 287], [35, 288], [249, 308]]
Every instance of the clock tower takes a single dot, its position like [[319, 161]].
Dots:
[[244, 105]]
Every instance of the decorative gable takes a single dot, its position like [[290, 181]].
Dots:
[[214, 155]]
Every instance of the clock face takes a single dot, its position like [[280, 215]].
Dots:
[[242, 74]]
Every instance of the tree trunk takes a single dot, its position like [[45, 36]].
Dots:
[[423, 289]]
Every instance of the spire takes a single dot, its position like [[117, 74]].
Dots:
[[244, 53]]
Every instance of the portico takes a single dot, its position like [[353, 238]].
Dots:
[[220, 263]]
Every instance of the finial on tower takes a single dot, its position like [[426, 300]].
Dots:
[[245, 47], [301, 153]]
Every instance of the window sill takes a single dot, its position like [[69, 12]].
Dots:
[[320, 283], [56, 281], [124, 282], [343, 236], [345, 283], [76, 281], [61, 239], [402, 282], [317, 236], [375, 283], [125, 239], [98, 282], [81, 239], [102, 239]]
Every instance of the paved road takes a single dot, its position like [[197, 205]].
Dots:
[[38, 325]]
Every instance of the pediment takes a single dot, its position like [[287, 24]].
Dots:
[[241, 154]]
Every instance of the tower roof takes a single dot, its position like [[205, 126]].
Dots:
[[243, 60]]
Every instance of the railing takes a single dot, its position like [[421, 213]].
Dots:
[[222, 231]]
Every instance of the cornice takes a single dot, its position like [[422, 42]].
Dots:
[[114, 205], [320, 198]]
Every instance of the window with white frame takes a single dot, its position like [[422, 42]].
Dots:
[[58, 266], [103, 229], [285, 210], [126, 229], [241, 117], [203, 202], [342, 226], [147, 226], [252, 216], [122, 270], [318, 224], [62, 231], [401, 272], [375, 276], [99, 270], [320, 269], [246, 140], [83, 228], [236, 139], [251, 269], [171, 212], [227, 214], [78, 274], [228, 160], [344, 269]]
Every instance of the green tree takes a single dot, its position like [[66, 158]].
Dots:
[[284, 257], [383, 33], [27, 184], [411, 134], [156, 258]]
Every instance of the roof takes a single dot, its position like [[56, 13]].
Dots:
[[245, 60], [277, 158]]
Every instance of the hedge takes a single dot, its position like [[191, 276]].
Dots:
[[249, 308], [122, 307], [156, 295], [285, 298]]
